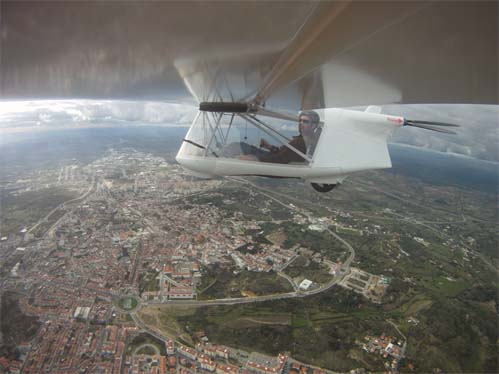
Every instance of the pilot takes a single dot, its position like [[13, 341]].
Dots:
[[308, 125]]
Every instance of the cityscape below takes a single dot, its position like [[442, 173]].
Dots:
[[115, 260]]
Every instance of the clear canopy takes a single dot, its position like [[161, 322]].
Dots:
[[248, 138]]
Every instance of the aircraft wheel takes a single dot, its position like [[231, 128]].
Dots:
[[320, 187]]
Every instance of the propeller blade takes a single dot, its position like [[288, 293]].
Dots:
[[427, 127]]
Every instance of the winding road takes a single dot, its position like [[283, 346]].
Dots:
[[344, 270]]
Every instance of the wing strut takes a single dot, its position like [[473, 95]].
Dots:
[[332, 29], [316, 22]]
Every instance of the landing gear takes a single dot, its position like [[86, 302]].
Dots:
[[320, 187]]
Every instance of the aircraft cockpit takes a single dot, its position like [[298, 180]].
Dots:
[[245, 139], [321, 146]]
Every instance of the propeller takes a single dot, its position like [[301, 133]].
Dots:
[[428, 125]]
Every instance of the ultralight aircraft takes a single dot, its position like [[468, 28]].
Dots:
[[350, 140], [253, 66]]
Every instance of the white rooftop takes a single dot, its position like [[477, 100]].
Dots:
[[305, 284]]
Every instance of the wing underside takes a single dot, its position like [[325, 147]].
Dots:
[[298, 54]]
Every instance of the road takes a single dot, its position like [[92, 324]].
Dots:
[[141, 325], [396, 328], [146, 345], [346, 265], [421, 204], [344, 270], [288, 263], [268, 193], [289, 279], [439, 232], [404, 346], [62, 205]]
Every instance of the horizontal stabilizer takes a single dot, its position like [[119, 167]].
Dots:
[[428, 125]]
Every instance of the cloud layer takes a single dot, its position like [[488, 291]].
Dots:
[[86, 113], [478, 136]]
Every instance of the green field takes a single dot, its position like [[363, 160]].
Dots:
[[142, 339], [451, 296], [305, 327], [222, 283], [149, 282], [25, 209], [16, 327], [128, 303], [303, 268]]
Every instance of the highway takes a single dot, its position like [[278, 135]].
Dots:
[[141, 325], [62, 205]]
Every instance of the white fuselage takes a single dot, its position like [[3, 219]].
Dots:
[[350, 141]]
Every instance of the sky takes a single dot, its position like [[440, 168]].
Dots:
[[17, 116], [478, 134]]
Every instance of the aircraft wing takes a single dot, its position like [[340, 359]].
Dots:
[[140, 50], [290, 54]]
